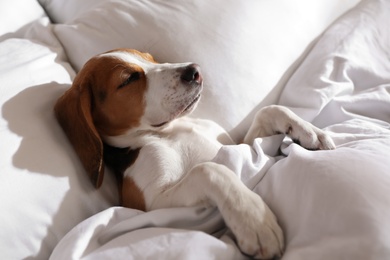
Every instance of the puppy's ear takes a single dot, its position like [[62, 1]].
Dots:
[[73, 112]]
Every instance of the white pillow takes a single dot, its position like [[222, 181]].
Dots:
[[42, 186], [61, 11], [18, 13], [243, 48]]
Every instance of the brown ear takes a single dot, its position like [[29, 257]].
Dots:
[[73, 112]]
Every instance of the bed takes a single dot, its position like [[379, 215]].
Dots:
[[327, 60]]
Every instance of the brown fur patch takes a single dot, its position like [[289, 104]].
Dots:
[[119, 159], [73, 112], [123, 107], [132, 196]]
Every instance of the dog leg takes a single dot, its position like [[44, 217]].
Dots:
[[275, 119], [245, 213]]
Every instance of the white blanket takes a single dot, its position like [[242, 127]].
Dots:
[[330, 204]]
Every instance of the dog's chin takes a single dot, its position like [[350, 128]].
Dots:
[[190, 107], [183, 111]]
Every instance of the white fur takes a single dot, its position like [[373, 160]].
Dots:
[[174, 165]]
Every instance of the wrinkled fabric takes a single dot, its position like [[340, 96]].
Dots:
[[331, 204]]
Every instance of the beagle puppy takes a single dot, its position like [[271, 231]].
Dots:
[[128, 111]]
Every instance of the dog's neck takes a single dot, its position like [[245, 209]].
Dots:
[[181, 132], [139, 137], [132, 139]]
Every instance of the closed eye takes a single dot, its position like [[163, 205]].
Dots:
[[132, 78]]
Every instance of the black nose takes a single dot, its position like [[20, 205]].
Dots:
[[191, 73]]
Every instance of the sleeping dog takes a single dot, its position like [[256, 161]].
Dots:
[[128, 108]]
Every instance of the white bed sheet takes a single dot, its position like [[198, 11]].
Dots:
[[330, 204]]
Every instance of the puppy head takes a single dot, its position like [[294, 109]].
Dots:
[[123, 92], [131, 91]]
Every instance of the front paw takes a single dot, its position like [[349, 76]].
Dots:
[[255, 227], [311, 137], [275, 119]]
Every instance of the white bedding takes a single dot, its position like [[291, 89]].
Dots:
[[42, 194], [331, 204]]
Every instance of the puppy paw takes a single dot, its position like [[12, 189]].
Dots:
[[281, 120], [255, 227], [310, 137]]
